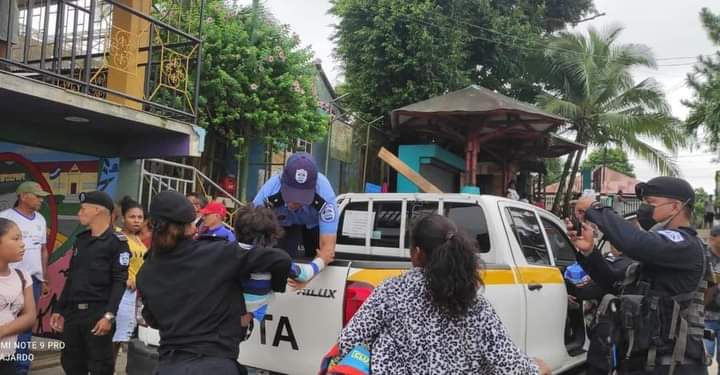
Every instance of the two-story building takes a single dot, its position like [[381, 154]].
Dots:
[[87, 89]]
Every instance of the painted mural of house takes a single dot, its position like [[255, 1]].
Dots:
[[70, 178]]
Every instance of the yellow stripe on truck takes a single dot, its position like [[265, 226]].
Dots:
[[540, 275], [526, 275]]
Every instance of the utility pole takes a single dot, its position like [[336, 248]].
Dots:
[[367, 148]]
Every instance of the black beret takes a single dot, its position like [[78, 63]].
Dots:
[[172, 206], [666, 187], [99, 198]]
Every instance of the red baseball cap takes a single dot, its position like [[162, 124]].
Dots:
[[214, 208]]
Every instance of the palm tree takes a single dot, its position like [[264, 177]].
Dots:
[[606, 107]]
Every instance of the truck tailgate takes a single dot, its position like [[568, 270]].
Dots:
[[300, 326]]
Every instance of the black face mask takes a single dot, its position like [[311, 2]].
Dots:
[[645, 216]]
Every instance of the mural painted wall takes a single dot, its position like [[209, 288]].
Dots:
[[65, 176]]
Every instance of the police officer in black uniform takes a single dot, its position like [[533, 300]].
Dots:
[[660, 316], [94, 286], [192, 292]]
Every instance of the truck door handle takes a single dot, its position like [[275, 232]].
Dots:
[[534, 287]]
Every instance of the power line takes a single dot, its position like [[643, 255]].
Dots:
[[675, 87], [682, 57], [530, 41], [649, 71], [678, 64]]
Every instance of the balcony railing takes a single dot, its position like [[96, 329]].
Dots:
[[107, 49]]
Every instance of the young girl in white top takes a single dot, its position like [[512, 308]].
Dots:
[[17, 304]]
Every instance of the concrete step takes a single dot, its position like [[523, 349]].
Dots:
[[47, 354], [43, 360]]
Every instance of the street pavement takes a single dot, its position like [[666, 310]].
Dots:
[[49, 364]]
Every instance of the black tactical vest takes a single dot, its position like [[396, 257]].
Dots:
[[643, 328]]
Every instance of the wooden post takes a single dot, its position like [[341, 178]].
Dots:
[[402, 168], [472, 149]]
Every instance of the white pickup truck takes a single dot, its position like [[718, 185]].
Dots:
[[524, 250]]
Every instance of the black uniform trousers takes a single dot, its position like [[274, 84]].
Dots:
[[84, 352], [300, 234], [186, 363]]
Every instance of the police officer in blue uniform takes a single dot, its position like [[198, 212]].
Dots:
[[304, 203], [85, 312], [660, 313]]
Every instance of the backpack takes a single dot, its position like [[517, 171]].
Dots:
[[22, 283], [22, 279]]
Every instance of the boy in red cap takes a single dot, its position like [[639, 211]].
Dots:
[[214, 215]]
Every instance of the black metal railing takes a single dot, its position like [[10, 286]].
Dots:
[[107, 49]]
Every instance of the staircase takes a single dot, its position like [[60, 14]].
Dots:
[[159, 175]]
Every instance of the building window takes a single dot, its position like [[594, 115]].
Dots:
[[275, 161], [302, 145]]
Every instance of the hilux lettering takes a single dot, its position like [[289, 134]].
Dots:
[[322, 293]]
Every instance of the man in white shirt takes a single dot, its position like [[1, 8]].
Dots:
[[30, 197]]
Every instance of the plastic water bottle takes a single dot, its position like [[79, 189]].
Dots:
[[576, 274]]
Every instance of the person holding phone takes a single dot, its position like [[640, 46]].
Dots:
[[661, 298]]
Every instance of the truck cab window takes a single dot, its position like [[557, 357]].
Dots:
[[348, 238], [386, 229], [470, 218], [529, 235], [562, 249], [414, 211]]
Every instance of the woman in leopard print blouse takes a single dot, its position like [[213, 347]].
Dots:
[[432, 320]]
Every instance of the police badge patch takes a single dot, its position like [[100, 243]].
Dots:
[[124, 259], [671, 235], [301, 176], [327, 213]]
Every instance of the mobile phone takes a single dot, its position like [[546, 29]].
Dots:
[[577, 224]]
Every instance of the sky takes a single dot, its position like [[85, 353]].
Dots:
[[671, 28]]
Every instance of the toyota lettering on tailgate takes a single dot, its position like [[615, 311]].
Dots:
[[283, 332]]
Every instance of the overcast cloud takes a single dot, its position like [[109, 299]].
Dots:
[[670, 27]]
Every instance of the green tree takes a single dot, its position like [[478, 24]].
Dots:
[[604, 104], [701, 196], [257, 82], [553, 171], [705, 83], [613, 158], [397, 52]]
